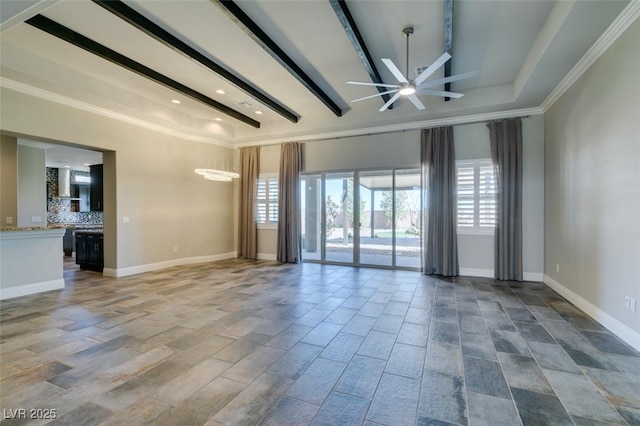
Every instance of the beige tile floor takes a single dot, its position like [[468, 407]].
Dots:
[[243, 343]]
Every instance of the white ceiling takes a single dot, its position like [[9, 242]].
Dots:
[[522, 48]]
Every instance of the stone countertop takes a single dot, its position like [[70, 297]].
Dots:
[[89, 231], [32, 228], [78, 225]]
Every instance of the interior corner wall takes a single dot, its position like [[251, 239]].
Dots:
[[592, 189], [32, 187], [8, 180], [175, 216]]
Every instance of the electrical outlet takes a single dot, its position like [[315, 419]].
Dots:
[[9, 220], [125, 219], [627, 302], [36, 219], [632, 303], [175, 249], [557, 267]]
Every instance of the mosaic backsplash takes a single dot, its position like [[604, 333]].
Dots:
[[60, 210]]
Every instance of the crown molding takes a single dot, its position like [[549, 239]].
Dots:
[[615, 30], [417, 125], [73, 103]]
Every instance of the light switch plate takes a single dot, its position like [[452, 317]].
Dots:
[[632, 303]]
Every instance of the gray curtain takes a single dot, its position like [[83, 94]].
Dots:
[[440, 244], [289, 245], [506, 153], [247, 228]]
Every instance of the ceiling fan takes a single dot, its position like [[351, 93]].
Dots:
[[409, 88]]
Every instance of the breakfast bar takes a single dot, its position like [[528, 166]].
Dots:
[[30, 261]]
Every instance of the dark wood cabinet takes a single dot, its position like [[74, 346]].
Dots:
[[90, 250], [96, 193]]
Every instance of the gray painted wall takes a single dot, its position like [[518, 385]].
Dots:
[[476, 251], [32, 186], [149, 178], [402, 150], [592, 183], [9, 180]]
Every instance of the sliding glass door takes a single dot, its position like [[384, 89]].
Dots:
[[338, 217], [369, 218], [375, 192], [408, 218]]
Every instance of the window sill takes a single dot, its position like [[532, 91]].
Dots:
[[270, 226], [487, 232]]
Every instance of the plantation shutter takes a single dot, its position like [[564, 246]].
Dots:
[[466, 196]]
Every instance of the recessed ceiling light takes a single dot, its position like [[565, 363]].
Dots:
[[258, 112], [218, 119], [67, 167], [175, 101], [220, 92], [87, 164]]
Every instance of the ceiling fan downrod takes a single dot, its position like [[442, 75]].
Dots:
[[407, 31]]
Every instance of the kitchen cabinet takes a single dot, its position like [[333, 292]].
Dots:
[[90, 250], [96, 193]]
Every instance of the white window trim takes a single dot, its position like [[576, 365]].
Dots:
[[268, 225], [476, 229]]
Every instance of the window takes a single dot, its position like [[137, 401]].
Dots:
[[476, 196], [267, 201]]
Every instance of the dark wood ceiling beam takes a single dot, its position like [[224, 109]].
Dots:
[[349, 26], [152, 29], [47, 25], [235, 13], [448, 41]]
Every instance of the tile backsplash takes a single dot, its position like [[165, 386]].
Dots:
[[59, 210]]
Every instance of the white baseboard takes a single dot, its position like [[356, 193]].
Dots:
[[473, 272], [266, 256], [25, 290], [618, 328], [139, 269], [533, 276], [488, 273]]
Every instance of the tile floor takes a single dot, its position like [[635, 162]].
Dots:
[[243, 343]]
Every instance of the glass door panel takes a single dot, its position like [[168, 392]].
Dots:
[[311, 220], [375, 192], [408, 219], [338, 217]]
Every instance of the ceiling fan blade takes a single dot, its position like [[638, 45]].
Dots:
[[362, 83], [449, 79], [414, 100], [431, 69], [389, 102], [441, 93], [395, 71], [373, 96]]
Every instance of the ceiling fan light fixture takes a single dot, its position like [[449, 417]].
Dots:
[[407, 90]]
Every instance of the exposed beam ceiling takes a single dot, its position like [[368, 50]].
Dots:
[[45, 24], [349, 25], [152, 29], [448, 41], [233, 11]]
